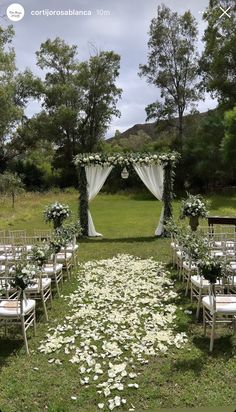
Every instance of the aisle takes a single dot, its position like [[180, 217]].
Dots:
[[119, 317]]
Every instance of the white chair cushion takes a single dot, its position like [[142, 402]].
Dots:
[[202, 283], [217, 243], [187, 266], [61, 257], [232, 280], [46, 282], [233, 265], [216, 253], [6, 257], [50, 269], [180, 254], [230, 244], [197, 281], [224, 303], [70, 248], [11, 308], [229, 252], [67, 254]]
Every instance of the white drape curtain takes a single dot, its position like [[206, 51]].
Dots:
[[153, 176], [96, 176]]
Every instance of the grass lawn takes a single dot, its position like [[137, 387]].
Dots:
[[187, 377]]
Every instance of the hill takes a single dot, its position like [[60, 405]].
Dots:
[[151, 132]]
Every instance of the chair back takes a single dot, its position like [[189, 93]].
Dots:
[[212, 297], [8, 291], [43, 234]]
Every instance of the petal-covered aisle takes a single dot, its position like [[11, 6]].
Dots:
[[120, 315]]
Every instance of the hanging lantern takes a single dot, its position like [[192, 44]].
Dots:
[[124, 173]]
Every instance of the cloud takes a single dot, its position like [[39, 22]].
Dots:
[[124, 29]]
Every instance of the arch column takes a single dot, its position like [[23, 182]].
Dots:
[[83, 201]]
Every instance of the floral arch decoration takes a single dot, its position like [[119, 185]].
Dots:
[[157, 171]]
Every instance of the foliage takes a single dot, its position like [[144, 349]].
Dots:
[[100, 96], [171, 227], [138, 142], [212, 267], [194, 244], [70, 231], [193, 206], [203, 167], [24, 273], [15, 90], [172, 65], [218, 62], [79, 99], [56, 243], [83, 201], [11, 183], [57, 213], [229, 140], [35, 164], [168, 194], [40, 254], [124, 159]]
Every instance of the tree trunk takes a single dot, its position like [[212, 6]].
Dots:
[[13, 199], [83, 201], [180, 137]]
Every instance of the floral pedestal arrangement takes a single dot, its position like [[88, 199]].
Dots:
[[56, 213], [212, 268], [194, 222], [194, 208]]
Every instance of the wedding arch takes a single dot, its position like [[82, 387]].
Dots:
[[155, 170]]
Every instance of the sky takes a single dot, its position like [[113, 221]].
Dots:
[[118, 25]]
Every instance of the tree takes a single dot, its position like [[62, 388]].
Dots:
[[172, 65], [202, 158], [229, 140], [11, 183], [15, 90], [100, 95], [79, 100], [10, 112], [218, 61]]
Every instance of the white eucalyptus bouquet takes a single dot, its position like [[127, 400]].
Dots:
[[40, 254], [193, 206], [212, 267], [23, 275], [57, 213]]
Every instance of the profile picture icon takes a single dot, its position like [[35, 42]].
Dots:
[[15, 12]]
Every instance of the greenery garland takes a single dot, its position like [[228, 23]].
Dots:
[[126, 159], [167, 194], [167, 160]]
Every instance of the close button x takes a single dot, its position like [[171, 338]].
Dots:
[[225, 12]]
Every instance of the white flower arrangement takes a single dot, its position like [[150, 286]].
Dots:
[[103, 159], [40, 254], [24, 273], [193, 206], [56, 212], [213, 267]]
